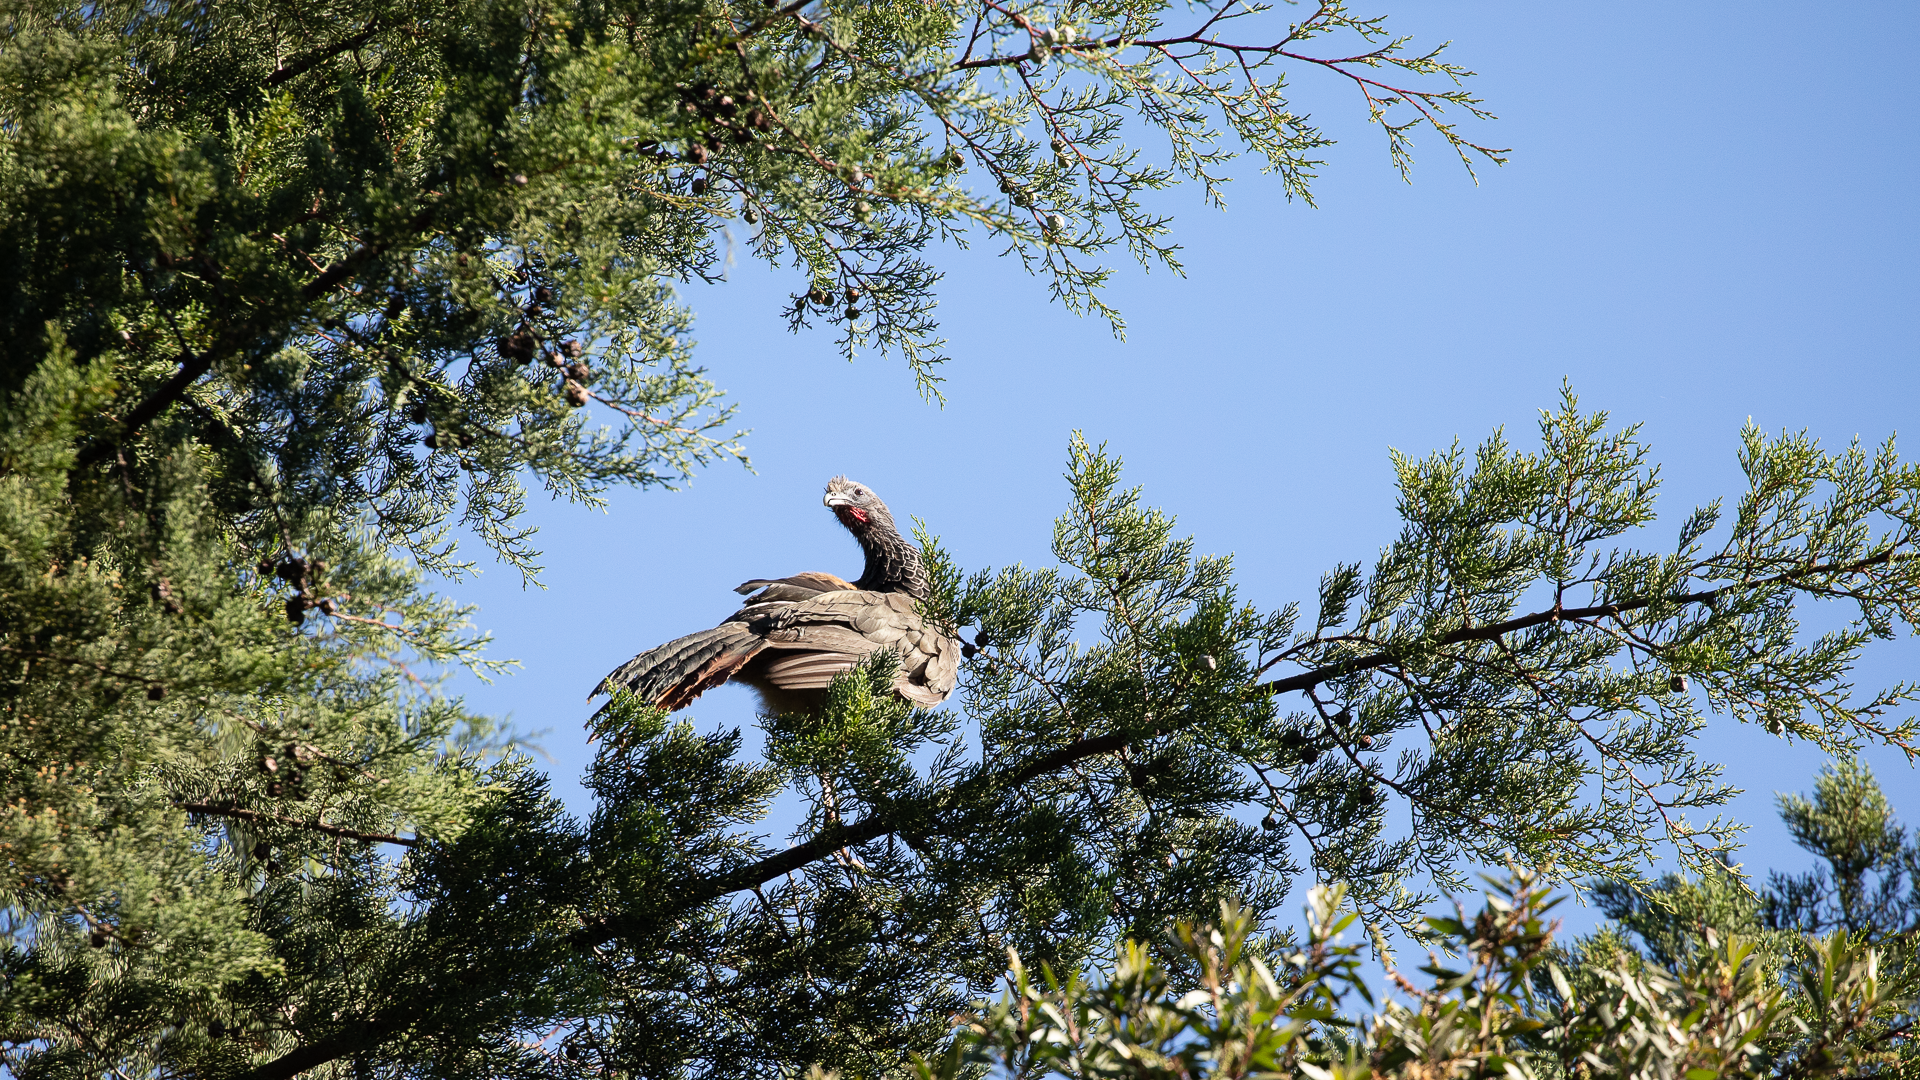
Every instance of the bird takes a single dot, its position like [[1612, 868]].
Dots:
[[794, 634]]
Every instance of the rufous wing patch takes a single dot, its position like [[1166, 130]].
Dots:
[[796, 589], [706, 677]]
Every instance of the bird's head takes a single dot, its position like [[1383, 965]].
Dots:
[[854, 504], [893, 562]]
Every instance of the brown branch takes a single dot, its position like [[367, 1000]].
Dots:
[[891, 820], [1490, 631], [355, 1038], [636, 414], [75, 661], [193, 366], [791, 10], [347, 265], [311, 60], [1418, 99], [874, 826], [316, 826]]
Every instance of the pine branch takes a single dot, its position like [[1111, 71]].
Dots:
[[904, 814], [192, 367]]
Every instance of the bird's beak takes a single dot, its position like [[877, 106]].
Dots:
[[835, 498]]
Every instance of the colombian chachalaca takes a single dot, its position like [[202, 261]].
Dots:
[[794, 634]]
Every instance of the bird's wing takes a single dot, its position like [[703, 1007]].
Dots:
[[795, 589], [808, 670], [808, 644], [814, 642], [797, 645], [932, 675], [671, 675]]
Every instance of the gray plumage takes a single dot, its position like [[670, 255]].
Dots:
[[794, 634]]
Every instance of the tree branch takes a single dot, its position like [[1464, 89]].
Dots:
[[316, 826], [364, 1036], [874, 826], [879, 824], [313, 59], [1489, 631], [192, 366]]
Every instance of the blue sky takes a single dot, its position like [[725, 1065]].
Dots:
[[1709, 216]]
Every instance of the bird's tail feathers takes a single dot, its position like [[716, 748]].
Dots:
[[671, 675]]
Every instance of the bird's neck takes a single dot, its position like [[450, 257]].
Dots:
[[893, 563]]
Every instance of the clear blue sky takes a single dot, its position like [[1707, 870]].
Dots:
[[1710, 216]]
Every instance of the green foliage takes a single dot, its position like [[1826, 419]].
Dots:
[[332, 232], [1250, 1014], [847, 958], [1128, 725], [1247, 1013], [1544, 687], [1127, 732], [150, 695], [295, 291], [1793, 925], [1870, 886], [1539, 691], [1668, 919]]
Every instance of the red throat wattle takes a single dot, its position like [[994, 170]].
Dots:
[[852, 515]]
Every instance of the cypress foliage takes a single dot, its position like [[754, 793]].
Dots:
[[295, 289], [1861, 899], [1870, 885]]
